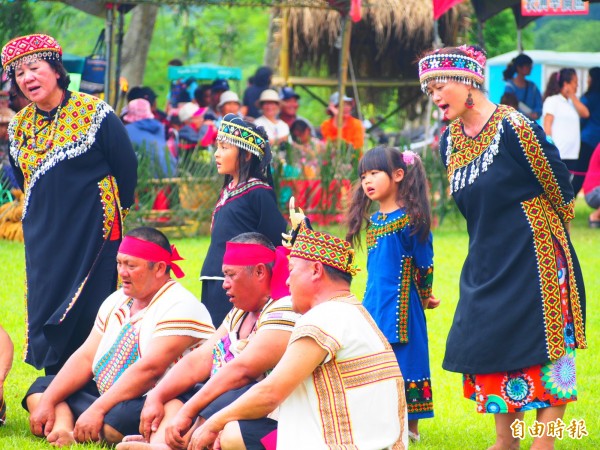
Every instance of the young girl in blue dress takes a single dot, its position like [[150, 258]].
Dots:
[[399, 264], [247, 203]]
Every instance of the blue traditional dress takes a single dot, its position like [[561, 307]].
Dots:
[[78, 171], [522, 298], [400, 268]]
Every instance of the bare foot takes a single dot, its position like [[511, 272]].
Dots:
[[140, 445], [61, 438], [134, 438]]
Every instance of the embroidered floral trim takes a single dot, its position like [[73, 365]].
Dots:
[[80, 121]]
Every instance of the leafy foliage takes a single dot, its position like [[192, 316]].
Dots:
[[16, 19], [500, 34], [568, 35]]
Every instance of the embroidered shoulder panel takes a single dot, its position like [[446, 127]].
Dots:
[[467, 158], [228, 195], [540, 166], [79, 122], [376, 231]]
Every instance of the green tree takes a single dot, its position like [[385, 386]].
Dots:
[[500, 34], [568, 35], [16, 19]]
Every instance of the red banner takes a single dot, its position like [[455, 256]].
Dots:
[[441, 6], [554, 7]]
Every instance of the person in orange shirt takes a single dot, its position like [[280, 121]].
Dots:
[[353, 131]]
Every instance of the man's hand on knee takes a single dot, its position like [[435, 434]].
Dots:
[[152, 415], [88, 426], [41, 420]]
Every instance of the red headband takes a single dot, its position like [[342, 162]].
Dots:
[[245, 254], [151, 252]]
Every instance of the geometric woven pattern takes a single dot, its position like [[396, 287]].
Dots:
[[461, 68], [325, 248], [109, 203], [28, 48], [234, 132], [536, 214], [404, 298], [541, 167], [79, 121], [123, 353], [376, 231]]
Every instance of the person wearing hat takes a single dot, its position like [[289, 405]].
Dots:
[[140, 331], [73, 159], [246, 346], [217, 87], [277, 130], [229, 103], [147, 135], [338, 384], [353, 131], [260, 81], [521, 311], [195, 133], [289, 107]]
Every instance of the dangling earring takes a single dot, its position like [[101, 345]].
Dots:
[[469, 103]]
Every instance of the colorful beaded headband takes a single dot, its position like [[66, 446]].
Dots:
[[26, 49], [325, 248], [236, 133], [441, 67]]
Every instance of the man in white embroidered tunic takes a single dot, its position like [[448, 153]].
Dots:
[[338, 383], [247, 345], [140, 331]]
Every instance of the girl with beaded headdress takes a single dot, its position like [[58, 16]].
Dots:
[[399, 264], [246, 203], [521, 311], [73, 159]]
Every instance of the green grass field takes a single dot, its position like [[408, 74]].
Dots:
[[456, 424]]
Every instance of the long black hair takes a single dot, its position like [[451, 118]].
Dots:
[[413, 192], [594, 74], [518, 61], [565, 76]]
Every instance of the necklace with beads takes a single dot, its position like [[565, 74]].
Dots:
[[50, 140]]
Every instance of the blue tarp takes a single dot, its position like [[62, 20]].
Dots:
[[204, 71]]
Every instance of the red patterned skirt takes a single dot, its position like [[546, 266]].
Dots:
[[534, 387]]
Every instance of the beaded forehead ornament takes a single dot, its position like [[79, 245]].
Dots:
[[26, 49], [441, 67], [325, 248], [234, 131]]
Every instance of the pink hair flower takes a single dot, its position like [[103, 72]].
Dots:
[[409, 157]]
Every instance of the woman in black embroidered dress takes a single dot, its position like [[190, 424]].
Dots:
[[73, 159], [521, 311], [247, 203]]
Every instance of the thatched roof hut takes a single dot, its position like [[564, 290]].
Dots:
[[385, 43]]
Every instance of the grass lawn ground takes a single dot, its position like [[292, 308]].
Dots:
[[456, 424]]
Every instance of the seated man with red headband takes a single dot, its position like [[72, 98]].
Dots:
[[338, 384], [140, 332], [244, 348]]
